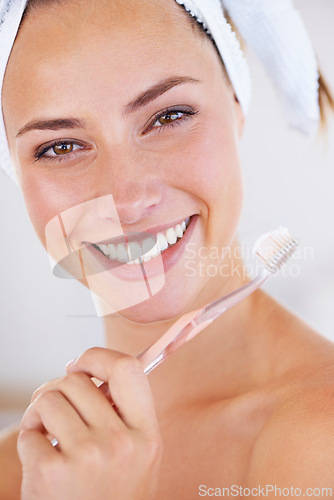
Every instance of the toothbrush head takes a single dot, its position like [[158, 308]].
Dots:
[[275, 248]]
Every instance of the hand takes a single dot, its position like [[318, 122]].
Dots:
[[102, 454]]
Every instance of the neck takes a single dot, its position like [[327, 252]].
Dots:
[[223, 361], [222, 350], [131, 337]]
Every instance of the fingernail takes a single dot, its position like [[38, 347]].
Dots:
[[70, 363]]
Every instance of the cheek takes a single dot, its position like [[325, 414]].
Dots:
[[209, 169], [220, 186], [45, 200], [216, 170], [203, 164]]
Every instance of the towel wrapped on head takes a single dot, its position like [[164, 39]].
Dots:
[[272, 28]]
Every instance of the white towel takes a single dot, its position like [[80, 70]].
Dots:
[[276, 33], [272, 28], [11, 12]]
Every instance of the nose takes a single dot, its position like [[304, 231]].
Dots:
[[135, 198], [134, 187]]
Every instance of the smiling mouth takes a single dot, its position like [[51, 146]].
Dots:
[[141, 247], [130, 249]]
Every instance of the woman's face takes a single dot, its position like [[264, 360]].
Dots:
[[145, 120]]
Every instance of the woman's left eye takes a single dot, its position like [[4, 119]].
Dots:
[[170, 118]]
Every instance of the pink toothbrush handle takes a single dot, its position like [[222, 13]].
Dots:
[[180, 332], [184, 329]]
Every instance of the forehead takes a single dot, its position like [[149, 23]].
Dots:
[[77, 42], [49, 28]]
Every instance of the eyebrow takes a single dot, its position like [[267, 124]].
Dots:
[[55, 124], [139, 102], [156, 91]]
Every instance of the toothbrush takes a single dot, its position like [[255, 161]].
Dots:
[[274, 249]]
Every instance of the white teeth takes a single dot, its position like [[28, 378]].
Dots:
[[162, 242], [178, 230], [122, 254], [150, 249], [134, 252], [148, 244], [105, 249], [171, 236], [113, 252]]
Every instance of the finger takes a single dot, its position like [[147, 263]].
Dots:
[[33, 447], [129, 386], [48, 386], [53, 413], [131, 392], [95, 361], [91, 403]]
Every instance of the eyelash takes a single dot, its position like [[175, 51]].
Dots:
[[185, 110], [40, 153]]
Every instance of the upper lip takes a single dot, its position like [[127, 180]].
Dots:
[[138, 235], [161, 228]]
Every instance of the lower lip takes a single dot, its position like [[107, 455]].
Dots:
[[153, 267]]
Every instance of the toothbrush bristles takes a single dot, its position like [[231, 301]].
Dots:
[[275, 249]]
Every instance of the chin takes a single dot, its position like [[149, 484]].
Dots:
[[168, 304]]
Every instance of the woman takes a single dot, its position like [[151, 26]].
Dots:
[[154, 134]]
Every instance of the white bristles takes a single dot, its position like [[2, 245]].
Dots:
[[275, 248]]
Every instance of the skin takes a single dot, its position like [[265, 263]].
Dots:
[[249, 401]]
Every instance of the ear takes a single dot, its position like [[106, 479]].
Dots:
[[240, 117]]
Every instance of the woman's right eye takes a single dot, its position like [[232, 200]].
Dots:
[[58, 150]]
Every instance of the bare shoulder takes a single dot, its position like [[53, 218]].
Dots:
[[10, 467], [295, 447]]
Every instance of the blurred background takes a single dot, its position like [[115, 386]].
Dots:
[[289, 181]]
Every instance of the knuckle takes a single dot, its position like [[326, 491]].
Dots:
[[124, 444], [39, 391], [43, 388], [52, 465], [128, 364], [50, 397], [90, 453], [92, 351], [86, 356], [74, 378], [22, 438]]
